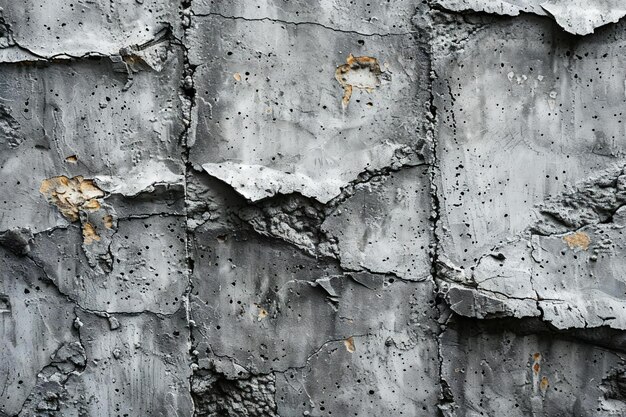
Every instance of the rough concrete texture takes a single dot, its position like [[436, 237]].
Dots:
[[312, 208]]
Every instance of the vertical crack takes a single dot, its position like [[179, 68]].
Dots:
[[188, 94]]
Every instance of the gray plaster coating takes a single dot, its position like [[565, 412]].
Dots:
[[312, 208]]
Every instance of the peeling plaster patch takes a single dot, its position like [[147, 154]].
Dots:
[[582, 17], [80, 199], [143, 180], [256, 182], [71, 196], [501, 7], [89, 234], [362, 72], [579, 17], [577, 240], [292, 218]]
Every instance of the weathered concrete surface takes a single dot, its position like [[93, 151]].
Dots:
[[312, 208], [269, 119], [529, 374], [545, 243], [81, 28]]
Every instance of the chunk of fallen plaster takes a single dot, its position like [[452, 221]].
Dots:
[[143, 180], [501, 7], [256, 182]]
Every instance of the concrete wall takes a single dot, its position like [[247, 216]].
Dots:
[[312, 208]]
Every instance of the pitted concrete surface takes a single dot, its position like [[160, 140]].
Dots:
[[312, 208]]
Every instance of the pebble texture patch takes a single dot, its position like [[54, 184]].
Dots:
[[266, 208]]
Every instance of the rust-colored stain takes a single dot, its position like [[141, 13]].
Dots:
[[71, 195], [72, 158], [349, 344], [362, 72], [577, 240], [536, 366], [262, 313], [108, 221], [237, 76], [543, 385], [89, 234]]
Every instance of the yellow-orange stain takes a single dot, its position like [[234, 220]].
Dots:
[[89, 234], [262, 314], [237, 76], [108, 221], [349, 344], [71, 195], [577, 240], [543, 385]]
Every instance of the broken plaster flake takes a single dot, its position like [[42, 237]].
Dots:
[[37, 320], [580, 17], [472, 302], [362, 72], [375, 380], [493, 371], [118, 364], [501, 7], [145, 178], [256, 182], [76, 29], [392, 233]]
